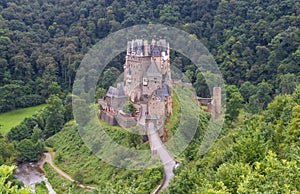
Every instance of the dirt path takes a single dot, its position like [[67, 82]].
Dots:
[[60, 172], [49, 160]]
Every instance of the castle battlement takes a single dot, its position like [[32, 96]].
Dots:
[[141, 48]]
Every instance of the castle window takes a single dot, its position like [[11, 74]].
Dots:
[[156, 51], [145, 81]]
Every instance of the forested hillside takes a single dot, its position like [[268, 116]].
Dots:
[[260, 154], [43, 42]]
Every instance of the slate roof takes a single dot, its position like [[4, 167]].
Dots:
[[167, 77], [117, 92], [152, 70], [164, 91], [135, 46]]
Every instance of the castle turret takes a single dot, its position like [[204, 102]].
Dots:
[[146, 48], [217, 95]]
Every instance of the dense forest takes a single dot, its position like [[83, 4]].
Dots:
[[42, 42], [256, 45]]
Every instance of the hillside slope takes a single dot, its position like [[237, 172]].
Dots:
[[73, 157]]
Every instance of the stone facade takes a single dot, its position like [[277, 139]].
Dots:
[[108, 118], [125, 121]]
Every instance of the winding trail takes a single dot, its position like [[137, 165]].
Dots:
[[157, 147], [49, 160]]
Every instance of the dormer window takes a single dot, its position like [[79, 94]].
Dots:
[[139, 51], [156, 51]]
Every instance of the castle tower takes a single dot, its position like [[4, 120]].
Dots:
[[146, 66], [217, 96]]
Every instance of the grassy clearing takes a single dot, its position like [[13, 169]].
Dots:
[[11, 119]]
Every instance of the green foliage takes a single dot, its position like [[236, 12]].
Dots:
[[292, 133], [280, 110], [287, 83], [261, 98], [17, 96], [6, 185], [37, 134], [54, 88], [68, 108], [232, 175], [41, 188], [234, 102], [173, 122], [23, 130], [128, 108], [54, 115], [99, 94], [43, 43], [38, 126], [255, 43], [109, 77], [259, 155], [8, 152], [60, 184], [75, 158], [29, 151], [169, 14], [272, 175], [247, 90], [78, 176]]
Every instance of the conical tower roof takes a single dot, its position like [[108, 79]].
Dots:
[[152, 70]]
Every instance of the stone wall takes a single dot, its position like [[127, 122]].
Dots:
[[108, 118], [124, 121]]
